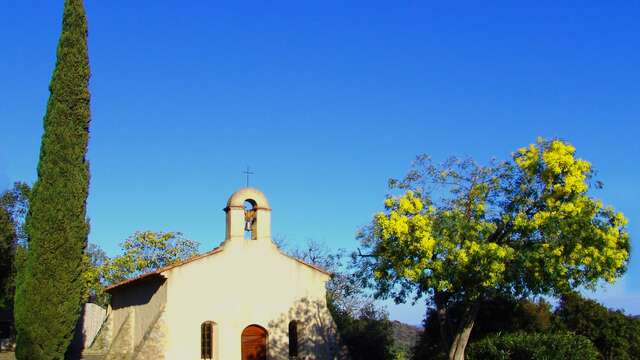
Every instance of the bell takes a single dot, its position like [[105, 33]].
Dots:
[[247, 225]]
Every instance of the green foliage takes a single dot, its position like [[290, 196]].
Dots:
[[533, 346], [500, 314], [369, 335], [526, 225], [459, 232], [405, 337], [142, 252], [13, 208], [93, 282], [146, 251], [507, 314], [50, 286], [616, 335], [15, 202], [7, 259]]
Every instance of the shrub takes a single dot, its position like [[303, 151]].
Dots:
[[499, 314], [534, 346]]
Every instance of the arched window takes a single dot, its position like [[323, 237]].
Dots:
[[293, 338], [250, 219], [206, 340]]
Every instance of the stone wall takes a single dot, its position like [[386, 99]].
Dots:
[[152, 345], [102, 340], [93, 318], [120, 346]]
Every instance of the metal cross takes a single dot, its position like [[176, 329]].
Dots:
[[248, 172]]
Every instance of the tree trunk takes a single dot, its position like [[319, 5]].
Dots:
[[443, 320], [461, 338]]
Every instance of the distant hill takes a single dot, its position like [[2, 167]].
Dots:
[[405, 335]]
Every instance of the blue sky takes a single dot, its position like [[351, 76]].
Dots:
[[325, 101]]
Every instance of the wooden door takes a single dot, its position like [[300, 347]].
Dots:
[[254, 343]]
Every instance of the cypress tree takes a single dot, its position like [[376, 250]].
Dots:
[[49, 295]]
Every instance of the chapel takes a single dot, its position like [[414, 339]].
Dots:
[[244, 300]]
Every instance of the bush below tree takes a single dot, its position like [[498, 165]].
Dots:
[[532, 346], [612, 333]]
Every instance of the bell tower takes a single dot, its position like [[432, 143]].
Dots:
[[248, 216]]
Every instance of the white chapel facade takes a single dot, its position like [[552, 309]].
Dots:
[[242, 300]]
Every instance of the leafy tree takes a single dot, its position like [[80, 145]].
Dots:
[[461, 232], [15, 202], [342, 291], [147, 251], [93, 261], [316, 254], [499, 314], [615, 334], [405, 338], [13, 208], [368, 335], [50, 286], [142, 252], [7, 259]]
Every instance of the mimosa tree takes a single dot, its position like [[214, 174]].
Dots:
[[460, 232]]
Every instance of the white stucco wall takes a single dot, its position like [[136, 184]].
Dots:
[[242, 283], [249, 282]]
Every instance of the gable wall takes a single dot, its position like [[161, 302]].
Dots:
[[249, 282]]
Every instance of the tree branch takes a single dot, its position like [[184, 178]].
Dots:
[[365, 255]]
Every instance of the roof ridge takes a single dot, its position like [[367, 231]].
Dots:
[[198, 257], [166, 268]]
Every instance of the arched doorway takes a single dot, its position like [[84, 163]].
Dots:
[[254, 343]]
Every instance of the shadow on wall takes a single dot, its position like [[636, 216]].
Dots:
[[121, 336], [315, 330], [74, 351], [92, 317], [138, 294]]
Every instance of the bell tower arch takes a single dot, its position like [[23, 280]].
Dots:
[[248, 212]]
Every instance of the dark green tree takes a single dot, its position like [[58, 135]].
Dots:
[[615, 334], [369, 335], [49, 294], [498, 314], [533, 346], [7, 259], [13, 208], [15, 202]]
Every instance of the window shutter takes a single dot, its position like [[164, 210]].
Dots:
[[206, 351], [293, 339]]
